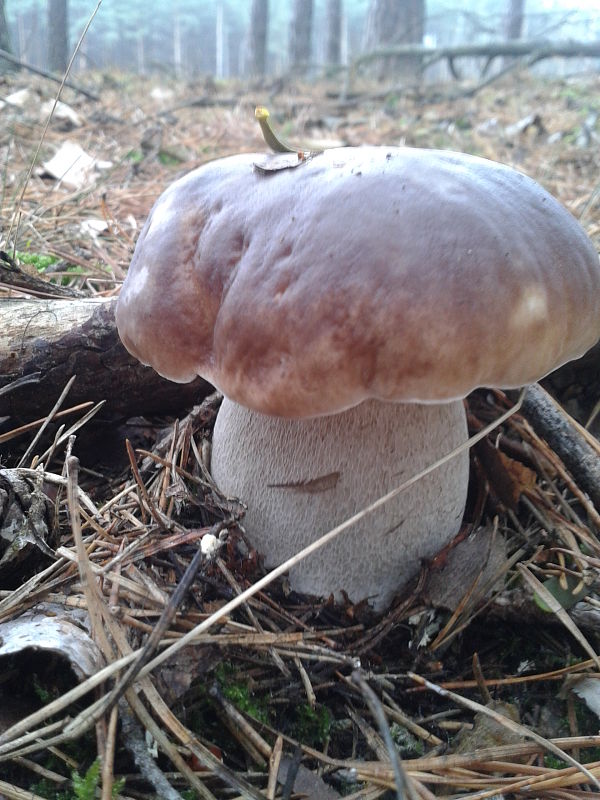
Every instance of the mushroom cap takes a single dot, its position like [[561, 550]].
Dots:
[[372, 272]]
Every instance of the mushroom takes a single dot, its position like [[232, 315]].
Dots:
[[345, 306]]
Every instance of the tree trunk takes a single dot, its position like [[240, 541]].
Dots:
[[514, 19], [334, 31], [5, 44], [220, 46], [257, 45], [51, 340], [301, 35], [514, 23], [58, 37], [393, 22], [177, 46]]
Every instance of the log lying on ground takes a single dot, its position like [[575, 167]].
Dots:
[[533, 49], [44, 342]]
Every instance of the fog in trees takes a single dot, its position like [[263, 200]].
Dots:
[[247, 38]]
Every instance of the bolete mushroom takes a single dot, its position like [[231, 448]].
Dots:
[[344, 307]]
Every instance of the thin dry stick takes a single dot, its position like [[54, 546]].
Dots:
[[251, 616], [373, 739], [95, 603], [252, 742], [45, 74], [484, 592], [66, 434], [166, 473], [526, 430], [477, 671], [84, 721], [49, 774], [161, 519], [160, 628], [18, 596], [304, 677], [8, 742], [5, 437], [47, 421], [404, 786], [507, 723], [394, 711], [548, 418], [559, 611], [18, 383], [134, 738], [274, 762], [12, 792], [108, 759], [17, 212], [549, 779]]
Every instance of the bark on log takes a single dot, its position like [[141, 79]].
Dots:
[[51, 340], [570, 446]]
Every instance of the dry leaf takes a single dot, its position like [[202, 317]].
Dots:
[[73, 167], [482, 553]]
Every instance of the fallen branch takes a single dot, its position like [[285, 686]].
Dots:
[[60, 338], [24, 65], [552, 424], [536, 50]]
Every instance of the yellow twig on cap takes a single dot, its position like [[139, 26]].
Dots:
[[275, 143]]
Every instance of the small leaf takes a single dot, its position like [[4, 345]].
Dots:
[[566, 597]]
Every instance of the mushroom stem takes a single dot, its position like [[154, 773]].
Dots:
[[300, 478]]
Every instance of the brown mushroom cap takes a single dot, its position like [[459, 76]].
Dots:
[[372, 272]]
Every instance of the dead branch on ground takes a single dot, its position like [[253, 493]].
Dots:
[[56, 339]]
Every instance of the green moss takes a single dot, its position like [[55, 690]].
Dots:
[[553, 762], [463, 123], [169, 159], [312, 725], [37, 260], [237, 691], [84, 786], [135, 156]]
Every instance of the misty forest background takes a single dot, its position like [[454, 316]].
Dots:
[[243, 38]]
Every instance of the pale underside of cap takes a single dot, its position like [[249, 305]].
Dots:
[[387, 273]]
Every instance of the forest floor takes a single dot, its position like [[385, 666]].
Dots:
[[466, 687]]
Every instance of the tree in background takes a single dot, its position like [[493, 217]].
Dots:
[[395, 22], [334, 31], [301, 35], [5, 66], [257, 37], [58, 37], [514, 19], [513, 24]]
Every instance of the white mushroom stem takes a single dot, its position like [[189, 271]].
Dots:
[[300, 478]]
